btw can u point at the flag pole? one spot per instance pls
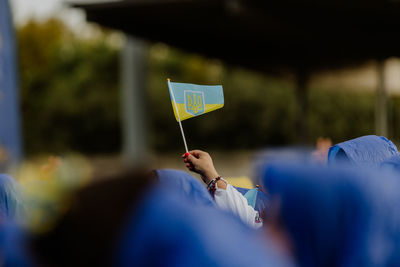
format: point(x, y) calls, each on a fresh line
point(177, 115)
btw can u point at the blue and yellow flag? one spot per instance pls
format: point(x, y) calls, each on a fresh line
point(193, 100)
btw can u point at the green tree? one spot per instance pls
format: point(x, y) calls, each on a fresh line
point(70, 99)
point(69, 89)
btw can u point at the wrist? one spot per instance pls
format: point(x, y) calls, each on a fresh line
point(210, 175)
point(216, 183)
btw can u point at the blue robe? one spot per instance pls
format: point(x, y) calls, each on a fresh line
point(392, 162)
point(14, 247)
point(169, 229)
point(193, 188)
point(370, 150)
point(186, 184)
point(11, 202)
point(338, 217)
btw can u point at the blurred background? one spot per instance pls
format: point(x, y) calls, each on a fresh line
point(100, 92)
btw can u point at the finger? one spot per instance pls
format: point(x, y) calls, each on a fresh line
point(185, 155)
point(185, 160)
point(192, 159)
point(200, 153)
point(197, 153)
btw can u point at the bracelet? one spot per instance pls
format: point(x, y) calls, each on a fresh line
point(212, 185)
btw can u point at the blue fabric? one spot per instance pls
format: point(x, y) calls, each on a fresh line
point(393, 162)
point(170, 230)
point(338, 217)
point(9, 110)
point(299, 155)
point(251, 196)
point(186, 184)
point(370, 150)
point(262, 199)
point(14, 249)
point(192, 188)
point(11, 203)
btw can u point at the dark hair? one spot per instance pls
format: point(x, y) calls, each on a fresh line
point(86, 234)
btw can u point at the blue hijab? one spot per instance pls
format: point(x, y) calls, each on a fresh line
point(370, 150)
point(338, 217)
point(170, 230)
point(186, 185)
point(392, 163)
point(13, 240)
point(11, 203)
point(14, 248)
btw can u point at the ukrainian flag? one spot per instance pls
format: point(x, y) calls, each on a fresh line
point(191, 100)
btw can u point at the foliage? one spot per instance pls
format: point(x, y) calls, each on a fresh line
point(70, 99)
point(69, 90)
point(340, 115)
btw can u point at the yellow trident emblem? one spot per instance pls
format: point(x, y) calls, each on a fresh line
point(194, 103)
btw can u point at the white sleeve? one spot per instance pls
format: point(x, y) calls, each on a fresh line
point(233, 201)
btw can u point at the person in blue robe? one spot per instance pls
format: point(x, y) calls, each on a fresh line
point(392, 163)
point(14, 245)
point(169, 229)
point(133, 219)
point(370, 151)
point(186, 184)
point(11, 199)
point(336, 217)
point(193, 188)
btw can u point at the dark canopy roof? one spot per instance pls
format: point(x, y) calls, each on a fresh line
point(261, 34)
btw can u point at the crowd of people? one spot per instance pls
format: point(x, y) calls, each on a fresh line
point(342, 211)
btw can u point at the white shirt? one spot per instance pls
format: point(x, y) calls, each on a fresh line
point(233, 201)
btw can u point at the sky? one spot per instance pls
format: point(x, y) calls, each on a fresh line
point(23, 10)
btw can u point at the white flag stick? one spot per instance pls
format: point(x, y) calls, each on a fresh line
point(177, 115)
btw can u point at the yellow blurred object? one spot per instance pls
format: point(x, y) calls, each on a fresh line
point(241, 181)
point(49, 170)
point(4, 154)
point(47, 183)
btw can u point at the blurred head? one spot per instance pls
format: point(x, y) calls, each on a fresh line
point(86, 234)
point(392, 163)
point(173, 229)
point(11, 201)
point(186, 185)
point(333, 217)
point(320, 154)
point(131, 220)
point(14, 245)
point(299, 155)
point(370, 151)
